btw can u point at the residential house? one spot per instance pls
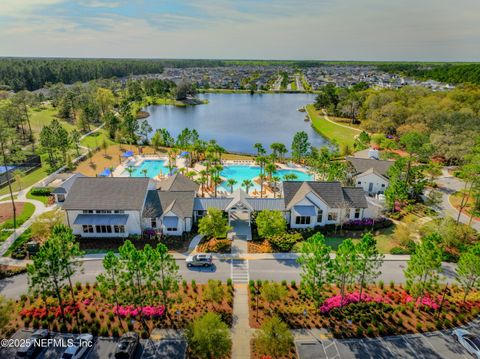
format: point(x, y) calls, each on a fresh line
point(370, 174)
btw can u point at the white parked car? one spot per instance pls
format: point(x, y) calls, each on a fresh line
point(199, 260)
point(81, 344)
point(469, 341)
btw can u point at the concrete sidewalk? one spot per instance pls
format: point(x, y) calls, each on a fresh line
point(241, 331)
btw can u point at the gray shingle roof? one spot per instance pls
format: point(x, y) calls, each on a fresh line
point(178, 182)
point(160, 202)
point(361, 165)
point(107, 193)
point(355, 196)
point(331, 193)
point(67, 184)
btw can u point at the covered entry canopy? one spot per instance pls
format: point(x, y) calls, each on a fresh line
point(170, 221)
point(306, 211)
point(101, 219)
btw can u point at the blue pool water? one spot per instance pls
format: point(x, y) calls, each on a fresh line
point(241, 173)
point(153, 167)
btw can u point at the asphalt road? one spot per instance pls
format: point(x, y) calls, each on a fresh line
point(448, 185)
point(265, 269)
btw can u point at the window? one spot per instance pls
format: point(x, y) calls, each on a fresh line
point(302, 220)
point(332, 216)
point(119, 229)
point(103, 211)
point(357, 213)
point(87, 211)
point(319, 216)
point(60, 198)
point(383, 184)
point(87, 228)
point(118, 211)
point(103, 229)
point(171, 229)
point(359, 182)
point(153, 222)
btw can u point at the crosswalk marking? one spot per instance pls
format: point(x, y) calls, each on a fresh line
point(239, 271)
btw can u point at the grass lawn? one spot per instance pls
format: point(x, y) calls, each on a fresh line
point(42, 117)
point(27, 212)
point(23, 238)
point(43, 199)
point(332, 131)
point(30, 179)
point(96, 139)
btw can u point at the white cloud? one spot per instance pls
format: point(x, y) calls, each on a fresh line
point(23, 7)
point(349, 30)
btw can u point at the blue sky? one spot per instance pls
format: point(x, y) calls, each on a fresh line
point(442, 30)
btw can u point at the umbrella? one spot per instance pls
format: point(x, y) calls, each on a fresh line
point(127, 154)
point(184, 154)
point(106, 172)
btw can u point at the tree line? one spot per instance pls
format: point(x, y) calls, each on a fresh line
point(34, 73)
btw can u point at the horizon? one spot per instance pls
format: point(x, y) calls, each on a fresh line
point(347, 31)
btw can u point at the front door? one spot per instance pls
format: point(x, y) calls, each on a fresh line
point(370, 187)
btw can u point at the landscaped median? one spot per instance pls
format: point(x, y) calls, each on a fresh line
point(341, 134)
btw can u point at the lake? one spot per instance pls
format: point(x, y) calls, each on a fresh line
point(238, 121)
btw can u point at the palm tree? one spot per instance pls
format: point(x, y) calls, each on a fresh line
point(270, 168)
point(202, 180)
point(262, 180)
point(247, 184)
point(261, 161)
point(216, 180)
point(231, 182)
point(260, 150)
point(190, 174)
point(144, 171)
point(275, 180)
point(111, 171)
point(130, 170)
point(290, 177)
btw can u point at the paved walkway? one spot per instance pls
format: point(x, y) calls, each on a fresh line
point(241, 233)
point(241, 331)
point(194, 243)
point(39, 209)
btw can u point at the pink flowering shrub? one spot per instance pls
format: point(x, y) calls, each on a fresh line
point(336, 300)
point(148, 311)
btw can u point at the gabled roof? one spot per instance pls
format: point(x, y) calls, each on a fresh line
point(372, 171)
point(107, 193)
point(364, 164)
point(160, 202)
point(177, 182)
point(332, 193)
point(203, 204)
point(65, 186)
point(239, 196)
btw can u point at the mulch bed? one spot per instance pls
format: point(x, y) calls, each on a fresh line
point(9, 271)
point(174, 244)
point(254, 355)
point(214, 245)
point(96, 316)
point(6, 210)
point(367, 319)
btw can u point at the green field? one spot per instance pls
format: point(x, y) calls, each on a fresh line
point(27, 212)
point(42, 117)
point(334, 132)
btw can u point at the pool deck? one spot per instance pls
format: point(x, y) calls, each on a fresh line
point(180, 162)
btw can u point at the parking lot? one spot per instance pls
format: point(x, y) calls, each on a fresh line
point(105, 348)
point(439, 344)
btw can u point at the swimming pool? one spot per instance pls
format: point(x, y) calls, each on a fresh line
point(153, 167)
point(242, 172)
